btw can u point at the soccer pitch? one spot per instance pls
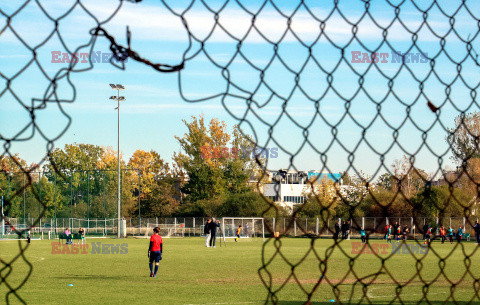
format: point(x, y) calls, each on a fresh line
point(192, 274)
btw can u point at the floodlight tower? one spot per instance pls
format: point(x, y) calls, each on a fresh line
point(3, 220)
point(118, 98)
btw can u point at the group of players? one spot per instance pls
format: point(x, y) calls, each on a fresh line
point(210, 231)
point(155, 249)
point(395, 231)
point(392, 232)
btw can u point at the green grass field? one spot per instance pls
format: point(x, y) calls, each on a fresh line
point(193, 274)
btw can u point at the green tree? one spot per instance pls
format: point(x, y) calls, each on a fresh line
point(85, 178)
point(15, 182)
point(386, 181)
point(248, 204)
point(204, 172)
point(463, 138)
point(213, 171)
point(75, 157)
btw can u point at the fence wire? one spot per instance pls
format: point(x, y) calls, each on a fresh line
point(316, 81)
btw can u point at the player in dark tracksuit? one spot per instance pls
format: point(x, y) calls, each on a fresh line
point(425, 229)
point(395, 230)
point(213, 231)
point(476, 227)
point(344, 230)
point(337, 230)
point(206, 231)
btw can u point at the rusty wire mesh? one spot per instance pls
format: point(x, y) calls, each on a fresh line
point(321, 54)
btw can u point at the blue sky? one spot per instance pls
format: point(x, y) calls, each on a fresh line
point(153, 110)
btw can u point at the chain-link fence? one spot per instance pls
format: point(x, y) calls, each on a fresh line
point(302, 226)
point(337, 79)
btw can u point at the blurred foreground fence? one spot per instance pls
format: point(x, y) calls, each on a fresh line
point(290, 66)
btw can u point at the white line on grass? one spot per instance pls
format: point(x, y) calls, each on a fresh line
point(34, 259)
point(369, 295)
point(226, 303)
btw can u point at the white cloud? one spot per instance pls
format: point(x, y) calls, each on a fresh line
point(157, 23)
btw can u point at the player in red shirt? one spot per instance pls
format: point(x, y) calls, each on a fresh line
point(155, 251)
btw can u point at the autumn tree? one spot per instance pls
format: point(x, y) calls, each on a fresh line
point(204, 171)
point(215, 165)
point(321, 200)
point(154, 183)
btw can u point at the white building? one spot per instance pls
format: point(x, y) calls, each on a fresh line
point(290, 187)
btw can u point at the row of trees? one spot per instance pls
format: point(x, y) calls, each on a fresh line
point(406, 190)
point(80, 180)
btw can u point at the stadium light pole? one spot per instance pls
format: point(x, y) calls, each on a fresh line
point(3, 220)
point(118, 98)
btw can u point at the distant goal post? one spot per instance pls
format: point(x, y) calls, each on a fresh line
point(252, 227)
point(166, 230)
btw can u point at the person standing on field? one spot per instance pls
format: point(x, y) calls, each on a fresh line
point(390, 234)
point(337, 230)
point(81, 232)
point(363, 235)
point(428, 236)
point(450, 235)
point(347, 232)
point(155, 251)
point(213, 231)
point(425, 229)
point(68, 235)
point(459, 234)
point(386, 231)
point(405, 232)
point(395, 230)
point(476, 227)
point(239, 230)
point(442, 234)
point(208, 235)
